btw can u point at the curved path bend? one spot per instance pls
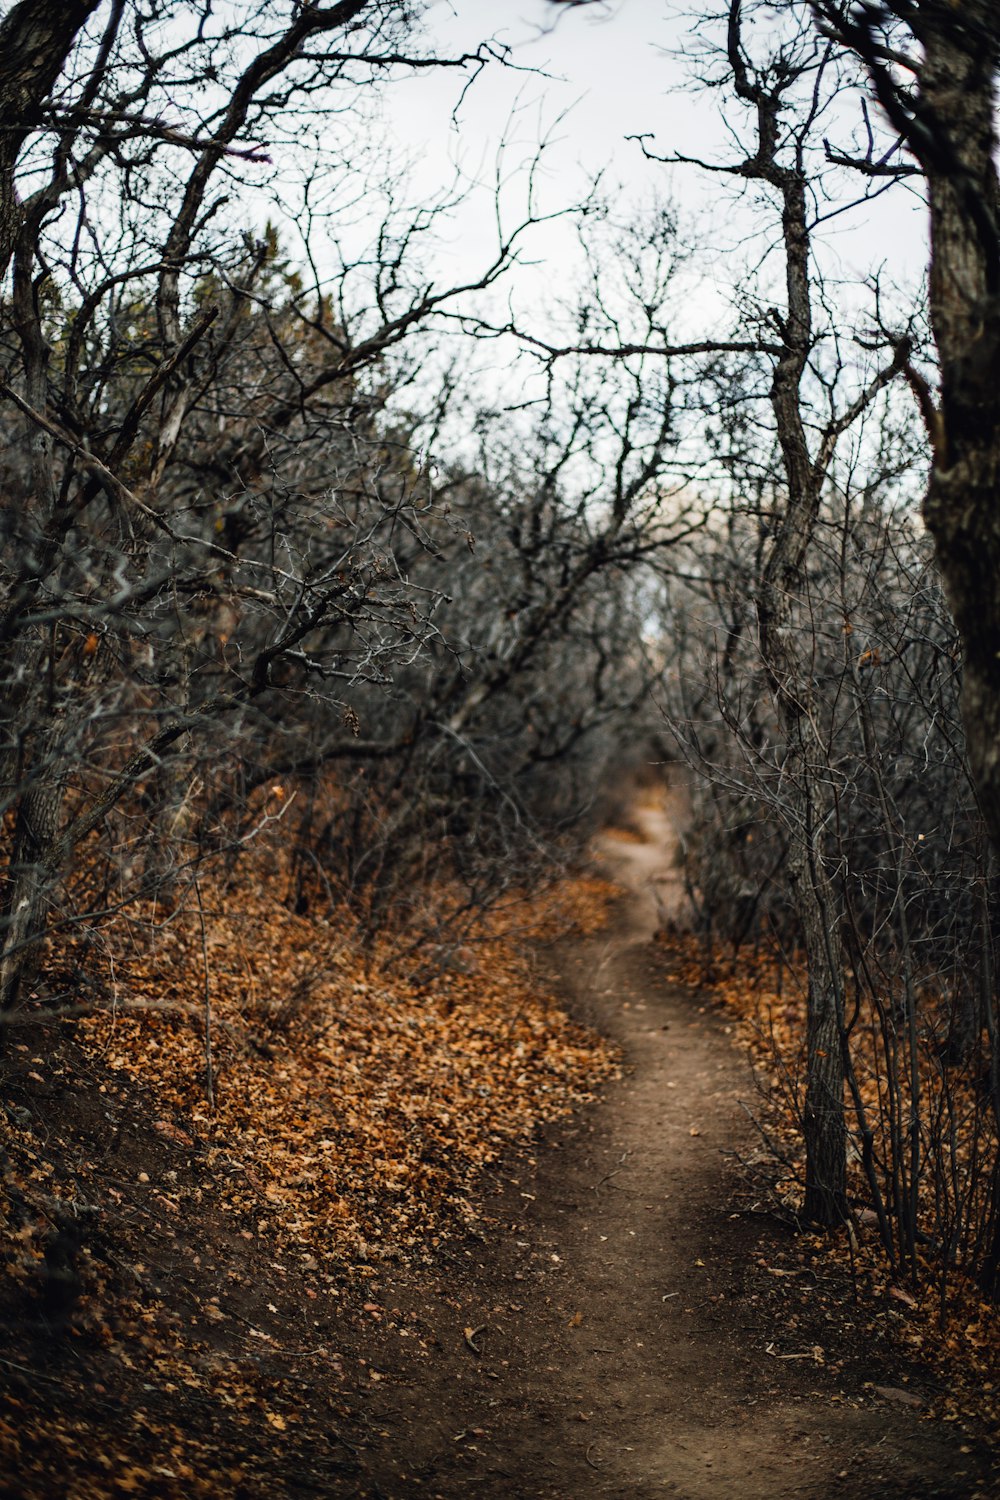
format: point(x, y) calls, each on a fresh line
point(607, 1341)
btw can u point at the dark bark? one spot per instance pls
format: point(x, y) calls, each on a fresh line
point(948, 120)
point(945, 112)
point(961, 506)
point(785, 650)
point(35, 40)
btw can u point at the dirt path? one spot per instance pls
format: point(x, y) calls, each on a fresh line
point(621, 1314)
point(625, 1325)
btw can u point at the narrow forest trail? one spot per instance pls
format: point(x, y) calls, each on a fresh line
point(619, 1320)
point(616, 1321)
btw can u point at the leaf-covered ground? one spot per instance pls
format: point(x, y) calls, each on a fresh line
point(945, 1323)
point(386, 1245)
point(352, 1109)
point(255, 1105)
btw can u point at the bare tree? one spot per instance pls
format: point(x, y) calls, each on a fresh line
point(815, 396)
point(199, 508)
point(838, 804)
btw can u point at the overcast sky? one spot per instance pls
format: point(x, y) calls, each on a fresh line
point(603, 73)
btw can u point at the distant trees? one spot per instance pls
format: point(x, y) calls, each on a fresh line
point(507, 723)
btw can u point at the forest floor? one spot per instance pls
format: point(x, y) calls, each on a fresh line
point(623, 1319)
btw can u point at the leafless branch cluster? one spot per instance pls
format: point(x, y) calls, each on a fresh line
point(245, 536)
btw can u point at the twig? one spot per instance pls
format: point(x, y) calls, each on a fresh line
point(209, 1071)
point(769, 1142)
point(471, 1334)
point(26, 1370)
point(608, 1175)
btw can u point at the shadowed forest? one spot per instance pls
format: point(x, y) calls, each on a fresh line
point(499, 759)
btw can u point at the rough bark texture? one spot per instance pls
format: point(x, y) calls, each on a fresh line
point(35, 40)
point(947, 118)
point(961, 506)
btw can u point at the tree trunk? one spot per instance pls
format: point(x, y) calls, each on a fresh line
point(825, 1129)
point(31, 881)
point(808, 816)
point(785, 637)
point(948, 120)
point(35, 40)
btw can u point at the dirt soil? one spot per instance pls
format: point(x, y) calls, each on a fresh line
point(632, 1324)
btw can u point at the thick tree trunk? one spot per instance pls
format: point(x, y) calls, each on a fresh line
point(35, 40)
point(825, 1129)
point(957, 145)
point(962, 510)
point(950, 126)
point(785, 635)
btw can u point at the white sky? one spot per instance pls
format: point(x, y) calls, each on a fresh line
point(607, 66)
